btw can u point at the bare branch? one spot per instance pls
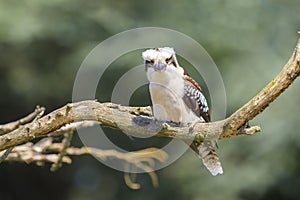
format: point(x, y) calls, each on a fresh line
point(73, 127)
point(138, 120)
point(66, 143)
point(267, 95)
point(31, 153)
point(38, 112)
point(39, 153)
point(5, 154)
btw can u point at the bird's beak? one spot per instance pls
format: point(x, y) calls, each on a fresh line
point(159, 66)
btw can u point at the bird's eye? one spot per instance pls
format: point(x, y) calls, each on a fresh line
point(149, 61)
point(169, 60)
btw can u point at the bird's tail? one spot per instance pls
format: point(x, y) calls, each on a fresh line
point(206, 151)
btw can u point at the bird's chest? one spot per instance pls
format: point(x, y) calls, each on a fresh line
point(167, 103)
point(167, 92)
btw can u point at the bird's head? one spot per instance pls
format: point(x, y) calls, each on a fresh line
point(160, 58)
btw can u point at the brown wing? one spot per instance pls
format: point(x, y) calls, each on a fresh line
point(194, 98)
point(192, 93)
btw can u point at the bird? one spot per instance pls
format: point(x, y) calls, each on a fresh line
point(176, 97)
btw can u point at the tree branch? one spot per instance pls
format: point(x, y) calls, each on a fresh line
point(267, 95)
point(39, 153)
point(39, 111)
point(45, 151)
point(138, 119)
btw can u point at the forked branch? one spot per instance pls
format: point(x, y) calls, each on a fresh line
point(138, 120)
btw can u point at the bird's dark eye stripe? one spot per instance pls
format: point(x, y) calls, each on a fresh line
point(169, 59)
point(149, 61)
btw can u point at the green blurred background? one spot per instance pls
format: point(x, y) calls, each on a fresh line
point(42, 44)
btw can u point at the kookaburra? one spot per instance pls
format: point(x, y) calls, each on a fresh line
point(176, 97)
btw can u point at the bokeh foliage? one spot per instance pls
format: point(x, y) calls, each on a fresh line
point(42, 44)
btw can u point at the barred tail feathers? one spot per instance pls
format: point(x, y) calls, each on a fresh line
point(207, 153)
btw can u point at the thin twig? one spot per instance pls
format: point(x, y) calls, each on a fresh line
point(5, 154)
point(38, 112)
point(66, 143)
